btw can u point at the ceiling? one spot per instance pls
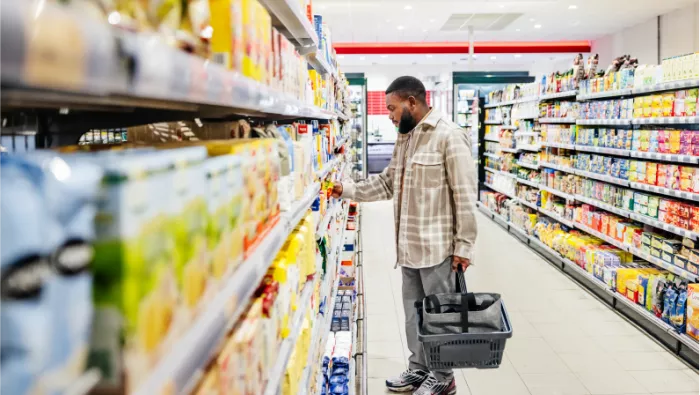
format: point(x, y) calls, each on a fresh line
point(495, 20)
point(455, 59)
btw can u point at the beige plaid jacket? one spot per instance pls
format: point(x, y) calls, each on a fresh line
point(434, 216)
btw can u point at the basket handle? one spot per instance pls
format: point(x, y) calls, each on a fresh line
point(460, 282)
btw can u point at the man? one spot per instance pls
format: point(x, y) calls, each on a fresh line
point(432, 180)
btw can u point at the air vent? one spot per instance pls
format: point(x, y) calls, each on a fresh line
point(491, 22)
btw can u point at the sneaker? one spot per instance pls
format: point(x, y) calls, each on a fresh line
point(408, 381)
point(433, 387)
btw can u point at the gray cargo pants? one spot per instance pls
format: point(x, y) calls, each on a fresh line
point(417, 283)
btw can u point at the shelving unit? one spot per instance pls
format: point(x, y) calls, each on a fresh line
point(681, 341)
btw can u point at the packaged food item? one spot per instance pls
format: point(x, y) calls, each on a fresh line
point(693, 311)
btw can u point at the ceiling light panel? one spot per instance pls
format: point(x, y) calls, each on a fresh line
point(489, 22)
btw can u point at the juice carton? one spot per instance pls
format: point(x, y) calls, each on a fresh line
point(135, 290)
point(693, 311)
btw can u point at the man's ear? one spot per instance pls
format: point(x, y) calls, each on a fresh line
point(412, 102)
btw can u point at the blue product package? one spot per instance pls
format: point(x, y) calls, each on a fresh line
point(70, 191)
point(27, 243)
point(340, 363)
point(340, 389)
point(338, 379)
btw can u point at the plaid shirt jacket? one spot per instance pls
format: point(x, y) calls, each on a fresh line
point(432, 180)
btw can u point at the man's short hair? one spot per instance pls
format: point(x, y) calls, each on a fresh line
point(408, 86)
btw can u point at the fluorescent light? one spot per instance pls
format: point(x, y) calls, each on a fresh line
point(425, 30)
point(362, 58)
point(432, 20)
point(493, 58)
point(538, 26)
point(517, 30)
point(408, 7)
point(387, 21)
point(532, 19)
point(573, 7)
point(400, 27)
point(428, 56)
point(475, 56)
point(341, 56)
point(501, 6)
point(384, 56)
point(517, 55)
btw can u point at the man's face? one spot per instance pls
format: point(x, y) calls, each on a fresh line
point(400, 112)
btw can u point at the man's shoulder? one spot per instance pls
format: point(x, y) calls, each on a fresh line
point(445, 127)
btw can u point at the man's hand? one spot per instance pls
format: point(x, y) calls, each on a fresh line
point(459, 261)
point(337, 191)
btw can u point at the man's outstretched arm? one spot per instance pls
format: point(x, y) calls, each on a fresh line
point(377, 187)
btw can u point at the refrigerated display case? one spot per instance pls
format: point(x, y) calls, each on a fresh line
point(358, 124)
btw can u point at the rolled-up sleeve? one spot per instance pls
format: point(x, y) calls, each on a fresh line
point(374, 188)
point(462, 179)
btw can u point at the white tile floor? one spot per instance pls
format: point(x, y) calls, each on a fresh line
point(565, 341)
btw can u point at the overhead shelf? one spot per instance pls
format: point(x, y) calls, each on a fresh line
point(129, 71)
point(527, 182)
point(200, 343)
point(558, 145)
point(665, 191)
point(511, 150)
point(565, 169)
point(604, 122)
point(666, 121)
point(602, 177)
point(666, 86)
point(493, 156)
point(604, 95)
point(557, 120)
point(604, 206)
point(290, 19)
point(557, 192)
point(665, 157)
point(559, 95)
point(487, 122)
point(319, 64)
point(529, 147)
point(528, 165)
point(602, 150)
point(662, 225)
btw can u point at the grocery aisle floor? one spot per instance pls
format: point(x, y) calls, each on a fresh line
point(565, 341)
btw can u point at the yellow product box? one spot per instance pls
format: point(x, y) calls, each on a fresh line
point(250, 39)
point(693, 312)
point(226, 39)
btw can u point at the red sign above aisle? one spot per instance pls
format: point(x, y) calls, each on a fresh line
point(463, 47)
point(376, 102)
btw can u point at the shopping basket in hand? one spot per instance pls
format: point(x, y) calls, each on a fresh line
point(463, 330)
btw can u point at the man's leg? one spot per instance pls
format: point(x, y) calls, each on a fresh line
point(439, 279)
point(412, 291)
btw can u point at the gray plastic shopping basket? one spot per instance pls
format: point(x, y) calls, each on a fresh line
point(464, 350)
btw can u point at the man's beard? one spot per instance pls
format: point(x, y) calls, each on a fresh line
point(406, 123)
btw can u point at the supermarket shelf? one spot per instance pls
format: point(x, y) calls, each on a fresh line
point(511, 150)
point(509, 127)
point(558, 145)
point(557, 120)
point(601, 236)
point(327, 167)
point(604, 206)
point(527, 204)
point(665, 191)
point(602, 150)
point(565, 169)
point(559, 95)
point(517, 230)
point(594, 282)
point(664, 265)
point(490, 155)
point(661, 225)
point(506, 174)
point(557, 192)
point(559, 218)
point(604, 95)
point(492, 170)
point(85, 383)
point(493, 139)
point(525, 134)
point(276, 374)
point(527, 182)
point(666, 86)
point(603, 177)
point(289, 18)
point(666, 121)
point(665, 157)
point(163, 79)
point(496, 217)
point(327, 218)
point(179, 368)
point(499, 191)
point(531, 148)
point(493, 122)
point(319, 63)
point(511, 102)
point(613, 122)
point(528, 165)
point(341, 116)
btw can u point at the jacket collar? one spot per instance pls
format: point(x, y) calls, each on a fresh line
point(431, 118)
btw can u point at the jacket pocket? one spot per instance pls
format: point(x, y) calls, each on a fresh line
point(428, 170)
